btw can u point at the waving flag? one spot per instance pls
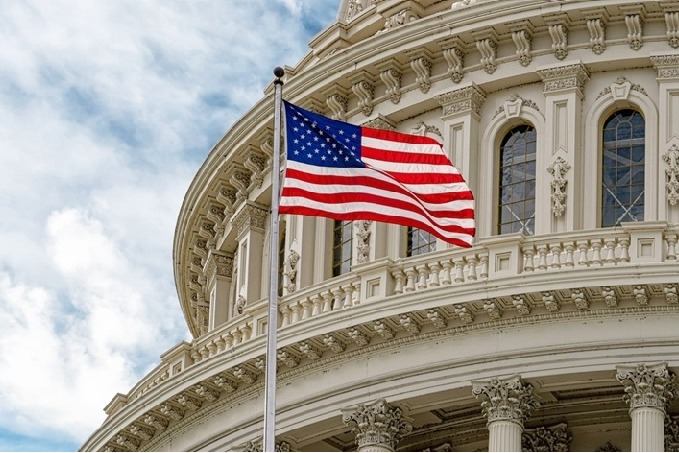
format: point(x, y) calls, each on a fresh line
point(347, 172)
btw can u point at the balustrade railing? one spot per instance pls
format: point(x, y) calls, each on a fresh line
point(499, 257)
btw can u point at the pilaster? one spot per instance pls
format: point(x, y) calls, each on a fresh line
point(378, 427)
point(506, 404)
point(561, 159)
point(648, 391)
point(249, 223)
point(667, 66)
point(460, 128)
point(218, 270)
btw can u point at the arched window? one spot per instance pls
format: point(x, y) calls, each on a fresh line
point(341, 247)
point(516, 198)
point(419, 242)
point(622, 168)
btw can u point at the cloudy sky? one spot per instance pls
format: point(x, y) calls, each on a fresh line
point(107, 109)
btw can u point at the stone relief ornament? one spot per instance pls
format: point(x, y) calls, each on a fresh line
point(647, 385)
point(291, 272)
point(597, 33)
point(554, 438)
point(422, 129)
point(455, 59)
point(634, 31)
point(671, 434)
point(558, 170)
point(506, 399)
point(672, 22)
point(377, 426)
point(610, 447)
point(671, 158)
point(363, 234)
point(240, 304)
point(487, 49)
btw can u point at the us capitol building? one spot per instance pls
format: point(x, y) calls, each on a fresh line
point(557, 331)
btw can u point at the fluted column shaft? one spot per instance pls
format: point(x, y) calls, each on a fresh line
point(504, 435)
point(648, 390)
point(648, 429)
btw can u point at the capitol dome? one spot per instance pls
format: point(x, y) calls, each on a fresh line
point(558, 330)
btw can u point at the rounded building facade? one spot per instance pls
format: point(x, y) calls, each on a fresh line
point(558, 330)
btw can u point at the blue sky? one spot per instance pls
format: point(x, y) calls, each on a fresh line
point(107, 110)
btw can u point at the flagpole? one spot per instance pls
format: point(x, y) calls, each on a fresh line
point(269, 442)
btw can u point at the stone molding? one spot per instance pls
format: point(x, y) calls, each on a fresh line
point(250, 217)
point(565, 78)
point(465, 100)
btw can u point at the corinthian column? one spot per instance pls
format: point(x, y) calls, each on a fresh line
point(648, 390)
point(378, 427)
point(506, 403)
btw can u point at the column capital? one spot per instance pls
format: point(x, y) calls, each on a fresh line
point(647, 385)
point(218, 264)
point(466, 100)
point(378, 427)
point(666, 65)
point(505, 399)
point(564, 78)
point(250, 217)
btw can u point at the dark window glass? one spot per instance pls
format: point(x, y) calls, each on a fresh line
point(419, 242)
point(622, 176)
point(341, 247)
point(516, 201)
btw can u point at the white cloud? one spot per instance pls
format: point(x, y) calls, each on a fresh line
point(107, 109)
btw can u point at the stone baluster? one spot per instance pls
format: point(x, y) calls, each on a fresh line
point(648, 391)
point(506, 403)
point(378, 427)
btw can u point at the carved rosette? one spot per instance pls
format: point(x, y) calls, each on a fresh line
point(558, 170)
point(671, 158)
point(553, 438)
point(363, 235)
point(378, 427)
point(507, 399)
point(647, 385)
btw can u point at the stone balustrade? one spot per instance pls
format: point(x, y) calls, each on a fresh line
point(494, 259)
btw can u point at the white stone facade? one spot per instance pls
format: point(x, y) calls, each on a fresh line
point(563, 337)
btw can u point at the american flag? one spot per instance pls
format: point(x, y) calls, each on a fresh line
point(347, 172)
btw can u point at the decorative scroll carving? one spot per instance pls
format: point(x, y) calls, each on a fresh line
point(256, 163)
point(422, 129)
point(671, 434)
point(609, 447)
point(421, 66)
point(390, 74)
point(435, 317)
point(337, 102)
point(559, 35)
point(355, 7)
point(455, 59)
point(463, 313)
point(554, 438)
point(494, 312)
point(507, 399)
point(671, 294)
point(287, 359)
point(128, 442)
point(558, 170)
point(640, 295)
point(358, 337)
point(240, 179)
point(597, 35)
point(462, 4)
point(610, 297)
point(634, 31)
point(409, 324)
point(383, 330)
point(647, 385)
point(671, 158)
point(333, 344)
point(378, 427)
point(521, 306)
point(672, 23)
point(579, 299)
point(486, 48)
point(364, 88)
point(309, 350)
point(550, 303)
point(522, 40)
point(380, 122)
point(403, 17)
point(463, 100)
point(227, 197)
point(363, 234)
